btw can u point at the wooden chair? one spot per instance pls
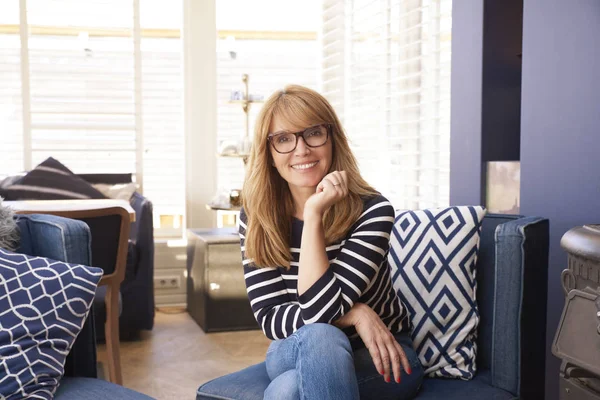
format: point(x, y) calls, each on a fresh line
point(114, 274)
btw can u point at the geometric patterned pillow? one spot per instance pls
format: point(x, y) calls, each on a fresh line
point(43, 306)
point(433, 255)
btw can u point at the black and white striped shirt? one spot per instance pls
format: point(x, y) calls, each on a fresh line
point(358, 272)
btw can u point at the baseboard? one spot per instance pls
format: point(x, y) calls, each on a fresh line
point(170, 263)
point(170, 300)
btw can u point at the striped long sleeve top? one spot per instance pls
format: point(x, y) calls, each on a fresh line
point(358, 272)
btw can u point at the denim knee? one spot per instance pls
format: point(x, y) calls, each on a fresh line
point(325, 336)
point(283, 387)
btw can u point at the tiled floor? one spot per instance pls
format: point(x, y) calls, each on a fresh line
point(177, 356)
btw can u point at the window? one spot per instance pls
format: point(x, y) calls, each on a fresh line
point(270, 65)
point(274, 50)
point(100, 89)
point(11, 105)
point(386, 69)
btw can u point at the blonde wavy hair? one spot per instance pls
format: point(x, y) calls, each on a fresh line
point(266, 196)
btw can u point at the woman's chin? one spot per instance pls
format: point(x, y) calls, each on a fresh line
point(305, 183)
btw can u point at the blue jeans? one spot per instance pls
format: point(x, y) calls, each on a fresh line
point(319, 362)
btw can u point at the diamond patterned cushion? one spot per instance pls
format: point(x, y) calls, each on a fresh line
point(432, 256)
point(43, 306)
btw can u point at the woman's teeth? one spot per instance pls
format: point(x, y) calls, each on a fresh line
point(304, 166)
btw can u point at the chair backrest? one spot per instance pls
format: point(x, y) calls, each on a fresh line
point(54, 237)
point(111, 179)
point(65, 240)
point(109, 229)
point(512, 276)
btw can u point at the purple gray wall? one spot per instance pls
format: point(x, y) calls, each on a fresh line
point(558, 142)
point(560, 132)
point(466, 104)
point(486, 86)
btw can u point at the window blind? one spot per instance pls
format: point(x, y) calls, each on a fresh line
point(162, 112)
point(105, 94)
point(11, 103)
point(386, 64)
point(82, 84)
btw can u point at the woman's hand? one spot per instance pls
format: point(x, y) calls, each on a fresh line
point(333, 188)
point(378, 339)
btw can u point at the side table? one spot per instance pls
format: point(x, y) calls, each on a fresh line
point(216, 292)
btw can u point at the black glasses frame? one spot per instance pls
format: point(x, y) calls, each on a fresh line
point(328, 128)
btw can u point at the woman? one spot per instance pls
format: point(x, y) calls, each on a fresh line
point(315, 238)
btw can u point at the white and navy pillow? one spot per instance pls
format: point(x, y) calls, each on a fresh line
point(43, 306)
point(6, 182)
point(433, 255)
point(51, 180)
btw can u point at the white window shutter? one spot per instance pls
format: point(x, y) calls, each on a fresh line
point(366, 106)
point(334, 49)
point(11, 102)
point(82, 84)
point(396, 87)
point(92, 98)
point(162, 83)
point(162, 113)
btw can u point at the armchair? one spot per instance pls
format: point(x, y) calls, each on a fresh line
point(137, 288)
point(69, 240)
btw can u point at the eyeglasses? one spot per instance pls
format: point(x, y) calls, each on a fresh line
point(314, 136)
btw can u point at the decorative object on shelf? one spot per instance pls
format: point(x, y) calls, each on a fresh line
point(228, 148)
point(231, 200)
point(256, 98)
point(235, 198)
point(503, 187)
point(236, 95)
point(242, 148)
point(226, 200)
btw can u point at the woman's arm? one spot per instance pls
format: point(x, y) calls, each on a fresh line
point(313, 261)
point(270, 301)
point(382, 346)
point(327, 291)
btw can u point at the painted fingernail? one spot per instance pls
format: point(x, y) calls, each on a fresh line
point(380, 372)
point(387, 379)
point(398, 380)
point(409, 371)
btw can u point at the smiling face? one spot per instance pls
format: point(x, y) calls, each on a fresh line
point(304, 167)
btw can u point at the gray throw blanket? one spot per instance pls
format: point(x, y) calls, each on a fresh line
point(9, 234)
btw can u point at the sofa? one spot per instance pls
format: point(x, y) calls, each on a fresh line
point(512, 272)
point(69, 240)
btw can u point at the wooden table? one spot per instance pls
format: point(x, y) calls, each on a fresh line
point(48, 206)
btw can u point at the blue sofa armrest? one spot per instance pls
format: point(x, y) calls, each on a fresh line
point(512, 285)
point(142, 233)
point(67, 240)
point(138, 287)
